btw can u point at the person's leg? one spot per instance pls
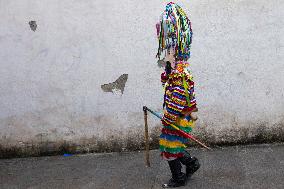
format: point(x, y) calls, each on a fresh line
point(192, 164)
point(178, 177)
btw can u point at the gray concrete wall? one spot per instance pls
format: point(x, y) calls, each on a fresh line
point(56, 90)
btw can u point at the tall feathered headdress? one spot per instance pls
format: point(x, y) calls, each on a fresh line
point(174, 31)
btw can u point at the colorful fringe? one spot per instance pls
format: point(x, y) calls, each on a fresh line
point(174, 31)
point(172, 143)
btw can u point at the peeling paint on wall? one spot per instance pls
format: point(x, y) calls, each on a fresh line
point(33, 25)
point(116, 86)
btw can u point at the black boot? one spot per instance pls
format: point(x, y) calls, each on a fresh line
point(178, 178)
point(192, 164)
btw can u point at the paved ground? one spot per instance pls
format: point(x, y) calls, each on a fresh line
point(255, 167)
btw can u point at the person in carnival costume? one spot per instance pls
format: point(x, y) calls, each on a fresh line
point(175, 37)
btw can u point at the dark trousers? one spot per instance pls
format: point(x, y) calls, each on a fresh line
point(191, 164)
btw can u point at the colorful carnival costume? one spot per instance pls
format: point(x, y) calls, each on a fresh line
point(175, 37)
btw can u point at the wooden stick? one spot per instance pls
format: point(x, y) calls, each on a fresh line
point(147, 154)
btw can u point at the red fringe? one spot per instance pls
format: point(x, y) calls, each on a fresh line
point(169, 155)
point(171, 132)
point(189, 109)
point(164, 77)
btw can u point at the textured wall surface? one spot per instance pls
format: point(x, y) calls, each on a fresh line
point(74, 75)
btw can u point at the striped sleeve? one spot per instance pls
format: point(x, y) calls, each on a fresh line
point(175, 104)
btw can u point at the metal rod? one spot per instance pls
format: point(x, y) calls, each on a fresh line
point(147, 145)
point(182, 132)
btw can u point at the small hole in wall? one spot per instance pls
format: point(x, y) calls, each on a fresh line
point(33, 25)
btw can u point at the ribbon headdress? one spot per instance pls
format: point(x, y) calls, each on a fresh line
point(174, 31)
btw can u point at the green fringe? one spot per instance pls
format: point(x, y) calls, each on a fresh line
point(185, 129)
point(172, 150)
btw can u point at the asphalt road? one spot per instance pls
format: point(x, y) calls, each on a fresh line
point(237, 167)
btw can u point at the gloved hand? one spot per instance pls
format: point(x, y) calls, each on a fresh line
point(168, 68)
point(190, 112)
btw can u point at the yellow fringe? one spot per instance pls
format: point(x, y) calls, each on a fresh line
point(171, 144)
point(185, 123)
